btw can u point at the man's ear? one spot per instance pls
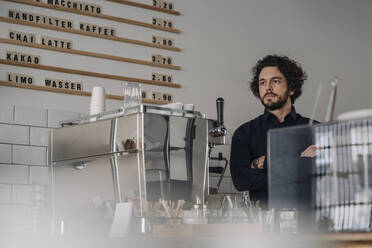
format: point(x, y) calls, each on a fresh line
point(291, 92)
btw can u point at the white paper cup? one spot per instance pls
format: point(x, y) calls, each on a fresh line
point(98, 96)
point(97, 100)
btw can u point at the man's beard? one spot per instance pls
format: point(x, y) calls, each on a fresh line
point(271, 105)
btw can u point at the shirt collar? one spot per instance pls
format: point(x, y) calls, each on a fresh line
point(292, 114)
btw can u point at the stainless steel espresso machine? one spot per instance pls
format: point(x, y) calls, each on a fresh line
point(145, 154)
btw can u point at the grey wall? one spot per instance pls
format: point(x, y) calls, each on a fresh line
point(329, 38)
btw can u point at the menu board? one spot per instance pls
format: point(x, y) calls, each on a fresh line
point(45, 39)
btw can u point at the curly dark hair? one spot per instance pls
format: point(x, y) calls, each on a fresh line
point(291, 69)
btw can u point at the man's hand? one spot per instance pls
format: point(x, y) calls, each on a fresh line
point(310, 152)
point(260, 163)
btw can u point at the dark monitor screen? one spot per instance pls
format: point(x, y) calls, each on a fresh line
point(290, 183)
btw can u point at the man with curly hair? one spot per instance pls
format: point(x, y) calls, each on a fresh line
point(277, 82)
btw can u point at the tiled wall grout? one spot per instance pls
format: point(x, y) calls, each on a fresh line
point(11, 154)
point(23, 125)
point(13, 114)
point(20, 184)
point(46, 157)
point(16, 204)
point(29, 174)
point(19, 144)
point(47, 116)
point(11, 192)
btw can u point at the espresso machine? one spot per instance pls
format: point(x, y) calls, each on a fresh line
point(141, 155)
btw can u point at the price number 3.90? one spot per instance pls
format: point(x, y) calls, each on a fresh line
point(162, 41)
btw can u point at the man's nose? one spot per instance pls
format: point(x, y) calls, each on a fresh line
point(269, 86)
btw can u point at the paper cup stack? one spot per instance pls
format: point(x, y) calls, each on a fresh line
point(97, 100)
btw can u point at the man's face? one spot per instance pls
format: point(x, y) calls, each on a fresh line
point(273, 88)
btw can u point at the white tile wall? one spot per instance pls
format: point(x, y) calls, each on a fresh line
point(7, 113)
point(55, 116)
point(14, 134)
point(5, 193)
point(17, 174)
point(31, 155)
point(39, 175)
point(30, 116)
point(5, 153)
point(23, 157)
point(22, 194)
point(39, 136)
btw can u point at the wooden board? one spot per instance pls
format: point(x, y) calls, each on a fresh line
point(90, 54)
point(102, 16)
point(91, 74)
point(79, 32)
point(70, 92)
point(146, 6)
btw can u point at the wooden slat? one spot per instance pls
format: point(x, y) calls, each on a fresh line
point(344, 237)
point(90, 54)
point(79, 32)
point(146, 6)
point(70, 92)
point(102, 16)
point(90, 74)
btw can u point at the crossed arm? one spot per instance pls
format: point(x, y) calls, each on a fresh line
point(309, 152)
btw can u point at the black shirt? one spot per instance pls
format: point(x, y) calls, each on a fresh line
point(249, 142)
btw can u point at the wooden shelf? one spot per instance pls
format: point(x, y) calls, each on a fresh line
point(102, 16)
point(79, 32)
point(89, 54)
point(146, 6)
point(71, 92)
point(90, 74)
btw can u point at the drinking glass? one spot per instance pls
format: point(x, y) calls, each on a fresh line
point(267, 220)
point(132, 95)
point(288, 220)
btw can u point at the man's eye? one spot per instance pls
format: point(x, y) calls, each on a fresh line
point(261, 83)
point(276, 81)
